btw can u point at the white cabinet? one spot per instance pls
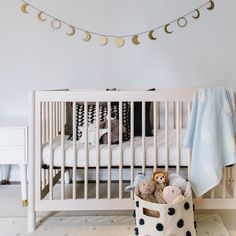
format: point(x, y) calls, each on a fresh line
point(14, 148)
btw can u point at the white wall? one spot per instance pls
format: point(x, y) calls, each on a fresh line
point(34, 56)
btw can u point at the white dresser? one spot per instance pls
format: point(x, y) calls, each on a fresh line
point(14, 148)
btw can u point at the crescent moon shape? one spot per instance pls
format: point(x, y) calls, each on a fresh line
point(56, 24)
point(23, 8)
point(103, 40)
point(40, 16)
point(212, 5)
point(119, 41)
point(150, 35)
point(87, 37)
point(71, 30)
point(198, 14)
point(166, 29)
point(135, 40)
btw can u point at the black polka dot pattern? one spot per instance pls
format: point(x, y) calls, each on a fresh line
point(188, 233)
point(160, 227)
point(141, 222)
point(171, 211)
point(136, 231)
point(180, 223)
point(137, 203)
point(134, 214)
point(186, 206)
point(195, 224)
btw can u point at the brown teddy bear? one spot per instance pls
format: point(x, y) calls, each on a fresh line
point(149, 191)
point(145, 190)
point(160, 178)
point(114, 130)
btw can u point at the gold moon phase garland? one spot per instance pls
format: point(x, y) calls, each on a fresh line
point(198, 14)
point(119, 40)
point(40, 16)
point(150, 35)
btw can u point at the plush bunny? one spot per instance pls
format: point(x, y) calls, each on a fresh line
point(137, 179)
point(172, 194)
point(145, 190)
point(114, 130)
point(160, 178)
point(180, 182)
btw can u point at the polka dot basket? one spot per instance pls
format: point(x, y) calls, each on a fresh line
point(154, 219)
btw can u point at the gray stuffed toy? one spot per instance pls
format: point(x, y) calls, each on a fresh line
point(114, 130)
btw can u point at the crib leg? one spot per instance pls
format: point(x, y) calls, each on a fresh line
point(31, 221)
point(24, 185)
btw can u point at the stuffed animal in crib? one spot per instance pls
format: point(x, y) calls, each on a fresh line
point(180, 182)
point(172, 194)
point(160, 178)
point(145, 190)
point(114, 130)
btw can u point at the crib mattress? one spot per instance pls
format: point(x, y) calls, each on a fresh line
point(115, 154)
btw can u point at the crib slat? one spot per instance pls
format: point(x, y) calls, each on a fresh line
point(62, 151)
point(189, 109)
point(43, 178)
point(109, 150)
point(43, 123)
point(166, 136)
point(56, 119)
point(51, 152)
point(232, 177)
point(143, 136)
point(86, 150)
point(154, 136)
point(132, 145)
point(189, 151)
point(234, 180)
point(224, 183)
point(174, 114)
point(181, 114)
point(158, 115)
point(47, 121)
point(98, 150)
point(177, 137)
point(120, 150)
point(74, 149)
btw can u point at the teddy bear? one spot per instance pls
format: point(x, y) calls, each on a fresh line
point(180, 182)
point(172, 194)
point(114, 130)
point(160, 178)
point(145, 190)
point(149, 191)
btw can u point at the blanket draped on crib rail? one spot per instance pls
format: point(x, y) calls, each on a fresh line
point(211, 137)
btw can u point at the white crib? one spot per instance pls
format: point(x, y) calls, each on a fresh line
point(99, 173)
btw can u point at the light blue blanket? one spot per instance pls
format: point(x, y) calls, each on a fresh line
point(211, 137)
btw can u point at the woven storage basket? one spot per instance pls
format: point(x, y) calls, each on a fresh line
point(153, 219)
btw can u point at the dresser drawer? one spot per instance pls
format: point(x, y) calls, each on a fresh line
point(12, 137)
point(12, 155)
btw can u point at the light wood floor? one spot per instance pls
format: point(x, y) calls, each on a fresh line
point(13, 219)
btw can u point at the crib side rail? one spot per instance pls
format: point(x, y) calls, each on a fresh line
point(171, 109)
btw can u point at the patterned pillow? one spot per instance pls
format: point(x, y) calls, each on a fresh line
point(91, 116)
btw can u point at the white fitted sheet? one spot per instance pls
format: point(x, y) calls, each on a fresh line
point(115, 154)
